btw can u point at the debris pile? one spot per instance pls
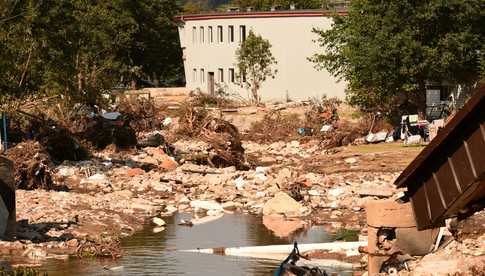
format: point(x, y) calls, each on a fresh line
point(140, 113)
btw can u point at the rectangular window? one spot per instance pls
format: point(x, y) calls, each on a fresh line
point(221, 74)
point(220, 38)
point(243, 77)
point(194, 35)
point(242, 33)
point(231, 75)
point(231, 34)
point(194, 75)
point(210, 37)
point(201, 35)
point(202, 75)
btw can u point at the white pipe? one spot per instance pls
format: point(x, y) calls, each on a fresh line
point(280, 249)
point(280, 252)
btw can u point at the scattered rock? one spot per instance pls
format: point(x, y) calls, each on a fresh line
point(282, 203)
point(206, 205)
point(134, 172)
point(351, 160)
point(158, 221)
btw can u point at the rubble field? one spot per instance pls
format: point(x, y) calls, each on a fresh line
point(114, 193)
point(85, 207)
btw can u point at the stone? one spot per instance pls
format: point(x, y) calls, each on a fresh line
point(282, 203)
point(239, 183)
point(335, 192)
point(149, 160)
point(158, 221)
point(231, 205)
point(72, 243)
point(168, 164)
point(158, 229)
point(314, 193)
point(206, 205)
point(326, 128)
point(161, 187)
point(134, 172)
point(351, 160)
point(282, 227)
point(65, 171)
point(171, 209)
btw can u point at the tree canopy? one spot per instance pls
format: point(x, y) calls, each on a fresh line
point(80, 47)
point(255, 61)
point(388, 50)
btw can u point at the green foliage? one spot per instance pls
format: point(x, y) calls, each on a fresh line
point(387, 50)
point(193, 7)
point(347, 235)
point(79, 48)
point(254, 61)
point(260, 5)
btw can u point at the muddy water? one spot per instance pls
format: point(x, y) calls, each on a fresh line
point(147, 253)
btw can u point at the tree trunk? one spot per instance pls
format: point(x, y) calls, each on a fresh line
point(79, 74)
point(254, 92)
point(420, 99)
point(133, 83)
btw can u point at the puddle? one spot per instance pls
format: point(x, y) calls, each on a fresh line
point(147, 253)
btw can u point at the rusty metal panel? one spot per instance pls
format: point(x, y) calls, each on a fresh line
point(448, 175)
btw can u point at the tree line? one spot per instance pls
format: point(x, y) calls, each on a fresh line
point(78, 48)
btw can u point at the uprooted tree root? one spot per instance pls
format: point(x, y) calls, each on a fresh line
point(140, 112)
point(225, 141)
point(192, 118)
point(222, 136)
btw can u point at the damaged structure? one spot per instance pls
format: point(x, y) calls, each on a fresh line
point(447, 179)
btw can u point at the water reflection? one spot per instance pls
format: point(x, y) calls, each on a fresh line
point(147, 253)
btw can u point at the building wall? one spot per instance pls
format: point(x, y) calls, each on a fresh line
point(292, 43)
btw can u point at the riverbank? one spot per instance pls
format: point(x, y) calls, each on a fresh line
point(112, 195)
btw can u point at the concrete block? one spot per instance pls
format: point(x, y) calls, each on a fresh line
point(389, 213)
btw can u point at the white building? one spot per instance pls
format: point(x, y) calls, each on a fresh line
point(209, 43)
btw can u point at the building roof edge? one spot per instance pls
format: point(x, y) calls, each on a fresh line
point(260, 14)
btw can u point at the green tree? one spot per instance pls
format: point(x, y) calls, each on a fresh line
point(254, 61)
point(387, 50)
point(79, 48)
